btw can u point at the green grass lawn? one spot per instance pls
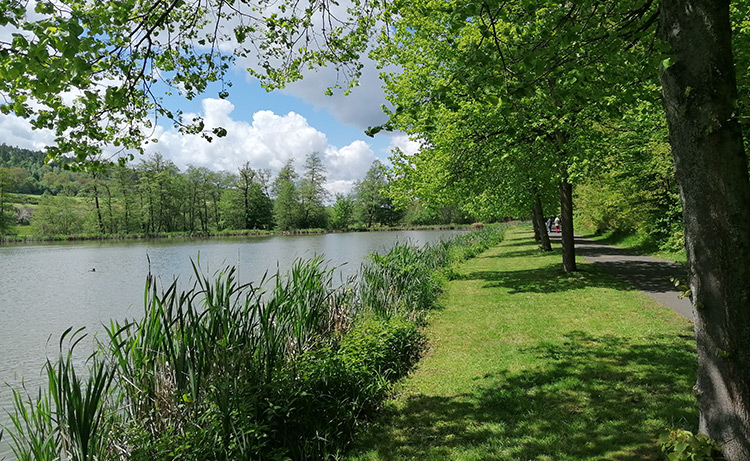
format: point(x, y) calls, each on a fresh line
point(23, 231)
point(526, 362)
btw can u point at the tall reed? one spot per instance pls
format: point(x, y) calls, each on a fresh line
point(80, 404)
point(32, 432)
point(408, 278)
point(69, 419)
point(401, 280)
point(182, 358)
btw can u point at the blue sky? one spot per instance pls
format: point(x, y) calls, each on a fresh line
point(306, 98)
point(266, 129)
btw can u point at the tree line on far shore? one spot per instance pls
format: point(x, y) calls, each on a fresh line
point(154, 196)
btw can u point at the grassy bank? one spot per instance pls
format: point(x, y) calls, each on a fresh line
point(526, 362)
point(286, 369)
point(24, 233)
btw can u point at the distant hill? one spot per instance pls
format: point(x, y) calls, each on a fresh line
point(16, 157)
point(29, 168)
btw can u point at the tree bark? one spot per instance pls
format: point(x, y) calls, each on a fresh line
point(112, 224)
point(99, 219)
point(566, 193)
point(535, 225)
point(538, 215)
point(566, 223)
point(700, 97)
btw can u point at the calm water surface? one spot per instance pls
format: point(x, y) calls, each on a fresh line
point(47, 288)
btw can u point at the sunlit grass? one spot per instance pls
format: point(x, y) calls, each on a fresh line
point(23, 231)
point(526, 362)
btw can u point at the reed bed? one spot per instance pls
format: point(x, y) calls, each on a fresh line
point(286, 368)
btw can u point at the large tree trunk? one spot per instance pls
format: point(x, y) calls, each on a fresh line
point(566, 223)
point(700, 96)
point(565, 190)
point(538, 216)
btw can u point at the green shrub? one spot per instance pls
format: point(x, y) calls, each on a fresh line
point(326, 394)
point(388, 347)
point(682, 445)
point(674, 242)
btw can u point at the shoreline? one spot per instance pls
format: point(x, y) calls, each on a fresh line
point(12, 240)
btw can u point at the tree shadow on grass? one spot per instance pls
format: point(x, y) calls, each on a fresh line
point(642, 273)
point(589, 398)
point(618, 238)
point(531, 252)
point(547, 279)
point(520, 241)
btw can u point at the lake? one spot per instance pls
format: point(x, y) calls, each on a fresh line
point(47, 288)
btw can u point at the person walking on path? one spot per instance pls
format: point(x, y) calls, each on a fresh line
point(557, 224)
point(549, 225)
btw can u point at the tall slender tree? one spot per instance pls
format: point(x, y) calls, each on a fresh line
point(256, 205)
point(159, 184)
point(375, 206)
point(312, 193)
point(126, 187)
point(286, 205)
point(342, 214)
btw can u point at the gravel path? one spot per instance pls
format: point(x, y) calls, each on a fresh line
point(650, 275)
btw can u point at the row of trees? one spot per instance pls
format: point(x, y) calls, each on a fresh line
point(154, 196)
point(514, 98)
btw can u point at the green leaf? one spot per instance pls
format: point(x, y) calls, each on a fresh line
point(373, 130)
point(666, 63)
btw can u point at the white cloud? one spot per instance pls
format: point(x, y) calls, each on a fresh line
point(16, 131)
point(339, 187)
point(361, 108)
point(408, 146)
point(266, 142)
point(349, 162)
